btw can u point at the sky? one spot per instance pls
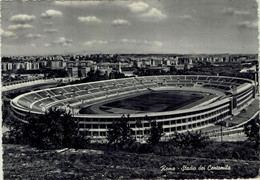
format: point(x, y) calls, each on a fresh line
point(165, 26)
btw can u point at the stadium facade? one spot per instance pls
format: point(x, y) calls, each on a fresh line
point(233, 95)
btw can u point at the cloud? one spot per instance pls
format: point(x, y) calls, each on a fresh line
point(34, 36)
point(51, 30)
point(120, 22)
point(22, 18)
point(95, 42)
point(51, 13)
point(242, 13)
point(248, 25)
point(232, 12)
point(19, 27)
point(129, 41)
point(154, 14)
point(229, 11)
point(33, 45)
point(48, 23)
point(157, 43)
point(62, 41)
point(77, 3)
point(138, 7)
point(153, 43)
point(47, 44)
point(90, 19)
point(7, 34)
point(186, 18)
point(140, 42)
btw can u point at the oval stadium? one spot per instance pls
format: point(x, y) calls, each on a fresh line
point(179, 102)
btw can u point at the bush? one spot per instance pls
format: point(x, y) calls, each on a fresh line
point(120, 134)
point(53, 130)
point(195, 140)
point(139, 148)
point(156, 133)
point(251, 130)
point(16, 133)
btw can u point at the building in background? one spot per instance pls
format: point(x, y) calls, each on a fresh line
point(73, 72)
point(84, 71)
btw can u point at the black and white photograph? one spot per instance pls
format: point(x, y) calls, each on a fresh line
point(130, 89)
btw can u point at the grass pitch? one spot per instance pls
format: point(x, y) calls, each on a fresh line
point(157, 101)
point(154, 101)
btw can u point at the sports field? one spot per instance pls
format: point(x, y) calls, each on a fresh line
point(155, 101)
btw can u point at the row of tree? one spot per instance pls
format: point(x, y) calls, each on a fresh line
point(58, 129)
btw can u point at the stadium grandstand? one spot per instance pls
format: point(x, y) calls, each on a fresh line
point(231, 96)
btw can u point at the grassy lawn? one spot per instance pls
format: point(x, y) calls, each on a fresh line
point(157, 101)
point(24, 162)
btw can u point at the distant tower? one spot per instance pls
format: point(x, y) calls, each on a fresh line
point(119, 67)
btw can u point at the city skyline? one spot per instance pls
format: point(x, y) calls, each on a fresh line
point(188, 27)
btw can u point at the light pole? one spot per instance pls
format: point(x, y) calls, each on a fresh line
point(221, 127)
point(221, 131)
point(139, 125)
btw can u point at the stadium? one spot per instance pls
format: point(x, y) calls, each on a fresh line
point(178, 102)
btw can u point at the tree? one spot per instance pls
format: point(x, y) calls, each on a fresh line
point(53, 130)
point(6, 112)
point(195, 140)
point(156, 133)
point(251, 130)
point(16, 134)
point(120, 134)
